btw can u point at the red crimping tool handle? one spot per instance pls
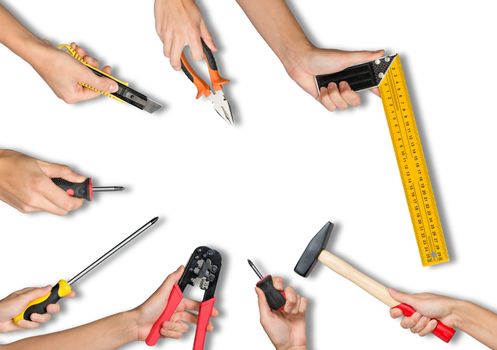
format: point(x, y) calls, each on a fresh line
point(442, 331)
point(204, 315)
point(172, 303)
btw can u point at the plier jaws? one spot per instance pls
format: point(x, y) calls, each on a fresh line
point(202, 270)
point(216, 95)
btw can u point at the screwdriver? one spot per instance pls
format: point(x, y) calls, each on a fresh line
point(63, 288)
point(84, 189)
point(275, 298)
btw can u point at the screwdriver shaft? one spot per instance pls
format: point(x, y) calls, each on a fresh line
point(108, 188)
point(113, 250)
point(256, 270)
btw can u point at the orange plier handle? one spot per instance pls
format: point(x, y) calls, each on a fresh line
point(203, 88)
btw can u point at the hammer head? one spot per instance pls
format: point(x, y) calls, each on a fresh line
point(314, 248)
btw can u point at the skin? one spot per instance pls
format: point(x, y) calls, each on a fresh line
point(472, 319)
point(287, 328)
point(59, 70)
point(25, 184)
point(15, 303)
point(117, 330)
point(179, 23)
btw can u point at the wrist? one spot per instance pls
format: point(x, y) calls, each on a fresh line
point(130, 322)
point(459, 310)
point(296, 53)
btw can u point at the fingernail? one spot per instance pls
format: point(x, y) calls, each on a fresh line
point(113, 88)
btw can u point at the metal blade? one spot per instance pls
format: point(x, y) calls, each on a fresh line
point(221, 105)
point(108, 188)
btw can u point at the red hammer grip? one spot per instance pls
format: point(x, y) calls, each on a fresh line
point(441, 331)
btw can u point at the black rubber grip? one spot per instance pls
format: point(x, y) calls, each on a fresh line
point(41, 308)
point(79, 190)
point(211, 61)
point(274, 297)
point(359, 77)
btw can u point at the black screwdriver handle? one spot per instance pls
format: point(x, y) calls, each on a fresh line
point(275, 298)
point(79, 190)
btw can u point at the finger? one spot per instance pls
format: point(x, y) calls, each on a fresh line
point(103, 84)
point(291, 299)
point(107, 69)
point(190, 305)
point(40, 318)
point(351, 97)
point(59, 170)
point(180, 327)
point(410, 322)
point(27, 324)
point(40, 203)
point(168, 43)
point(176, 50)
point(171, 334)
point(22, 291)
point(303, 306)
point(430, 327)
point(57, 196)
point(91, 61)
point(354, 57)
point(376, 91)
point(278, 283)
point(35, 293)
point(79, 50)
point(264, 309)
point(196, 48)
point(184, 316)
point(53, 308)
point(420, 325)
point(396, 313)
point(169, 282)
point(207, 37)
point(325, 99)
point(336, 97)
point(296, 308)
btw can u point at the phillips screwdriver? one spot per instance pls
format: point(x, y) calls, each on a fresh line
point(275, 298)
point(84, 189)
point(63, 288)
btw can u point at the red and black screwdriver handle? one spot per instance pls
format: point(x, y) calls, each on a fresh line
point(275, 298)
point(216, 79)
point(204, 315)
point(79, 190)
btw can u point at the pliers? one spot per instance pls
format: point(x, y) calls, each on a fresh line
point(202, 270)
point(216, 96)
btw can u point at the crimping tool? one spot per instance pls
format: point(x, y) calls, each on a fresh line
point(202, 270)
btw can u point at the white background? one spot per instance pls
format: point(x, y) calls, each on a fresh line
point(262, 189)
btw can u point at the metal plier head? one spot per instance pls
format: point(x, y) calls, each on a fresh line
point(216, 96)
point(202, 270)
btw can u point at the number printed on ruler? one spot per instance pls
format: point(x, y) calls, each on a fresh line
point(412, 167)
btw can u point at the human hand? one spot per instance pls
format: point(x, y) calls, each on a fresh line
point(25, 184)
point(16, 302)
point(304, 67)
point(63, 73)
point(429, 308)
point(150, 310)
point(286, 328)
point(179, 23)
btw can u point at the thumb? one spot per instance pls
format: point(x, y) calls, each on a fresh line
point(402, 297)
point(351, 58)
point(207, 37)
point(58, 170)
point(171, 280)
point(264, 308)
point(103, 84)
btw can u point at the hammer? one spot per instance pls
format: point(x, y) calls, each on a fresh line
point(315, 251)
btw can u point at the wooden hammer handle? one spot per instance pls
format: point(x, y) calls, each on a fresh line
point(371, 286)
point(377, 290)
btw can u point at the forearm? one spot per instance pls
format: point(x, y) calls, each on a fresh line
point(478, 322)
point(277, 25)
point(17, 37)
point(106, 334)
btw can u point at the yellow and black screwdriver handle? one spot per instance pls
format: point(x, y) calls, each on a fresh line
point(203, 88)
point(39, 306)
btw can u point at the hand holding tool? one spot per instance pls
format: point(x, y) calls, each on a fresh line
point(219, 101)
point(386, 73)
point(63, 288)
point(203, 270)
point(84, 189)
point(123, 94)
point(315, 251)
point(275, 298)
